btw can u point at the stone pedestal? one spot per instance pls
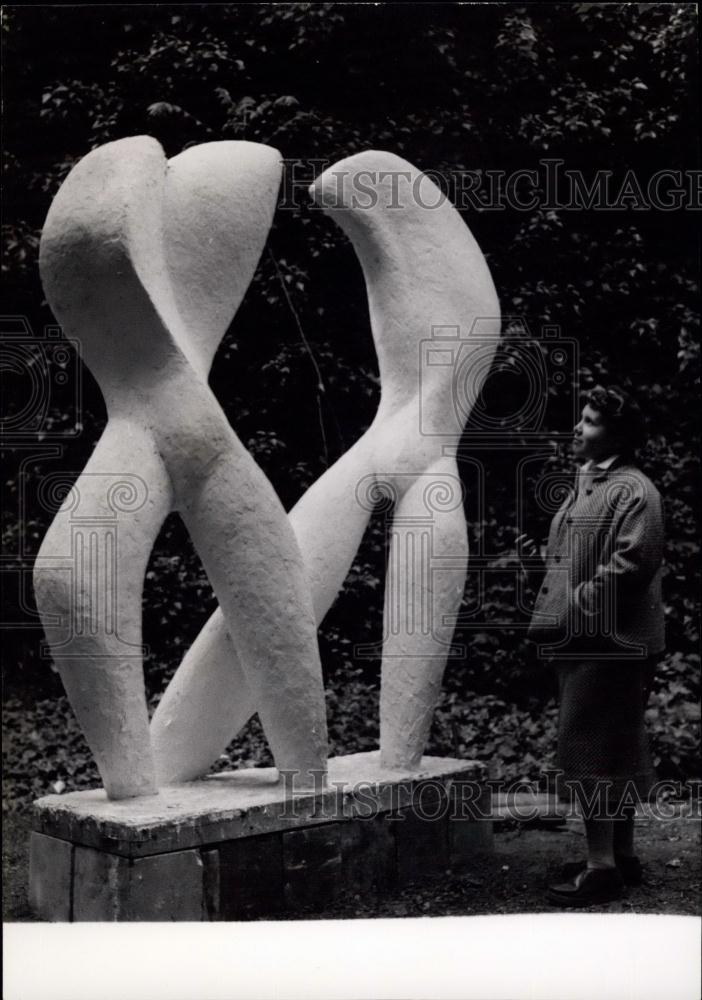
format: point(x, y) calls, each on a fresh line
point(245, 844)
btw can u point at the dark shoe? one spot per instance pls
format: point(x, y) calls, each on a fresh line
point(570, 870)
point(591, 886)
point(630, 868)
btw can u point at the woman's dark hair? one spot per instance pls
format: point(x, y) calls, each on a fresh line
point(622, 417)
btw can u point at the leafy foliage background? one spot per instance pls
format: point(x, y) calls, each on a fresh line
point(453, 89)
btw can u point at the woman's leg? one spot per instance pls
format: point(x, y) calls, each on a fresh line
point(600, 843)
point(624, 824)
point(624, 834)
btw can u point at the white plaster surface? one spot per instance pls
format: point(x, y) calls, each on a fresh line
point(240, 803)
point(423, 270)
point(145, 262)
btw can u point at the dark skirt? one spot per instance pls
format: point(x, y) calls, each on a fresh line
point(603, 757)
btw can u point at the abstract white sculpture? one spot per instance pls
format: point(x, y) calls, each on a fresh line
point(423, 270)
point(145, 262)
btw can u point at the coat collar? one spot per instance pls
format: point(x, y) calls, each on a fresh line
point(599, 473)
point(616, 463)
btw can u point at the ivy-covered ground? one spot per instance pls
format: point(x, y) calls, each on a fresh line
point(44, 750)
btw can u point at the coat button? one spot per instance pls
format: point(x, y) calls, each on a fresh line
point(544, 590)
point(556, 558)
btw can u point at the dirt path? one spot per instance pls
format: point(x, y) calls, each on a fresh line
point(514, 878)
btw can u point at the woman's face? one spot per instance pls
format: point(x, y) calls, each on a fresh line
point(591, 439)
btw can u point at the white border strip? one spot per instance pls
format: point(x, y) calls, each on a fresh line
point(538, 957)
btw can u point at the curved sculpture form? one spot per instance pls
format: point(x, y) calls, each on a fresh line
point(423, 271)
point(145, 262)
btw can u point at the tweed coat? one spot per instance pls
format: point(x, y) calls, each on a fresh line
point(601, 594)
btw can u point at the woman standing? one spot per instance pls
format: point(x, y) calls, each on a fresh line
point(599, 617)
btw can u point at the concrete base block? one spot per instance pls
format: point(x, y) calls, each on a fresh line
point(161, 888)
point(470, 831)
point(242, 845)
point(50, 877)
point(369, 856)
point(312, 866)
point(421, 844)
point(250, 877)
